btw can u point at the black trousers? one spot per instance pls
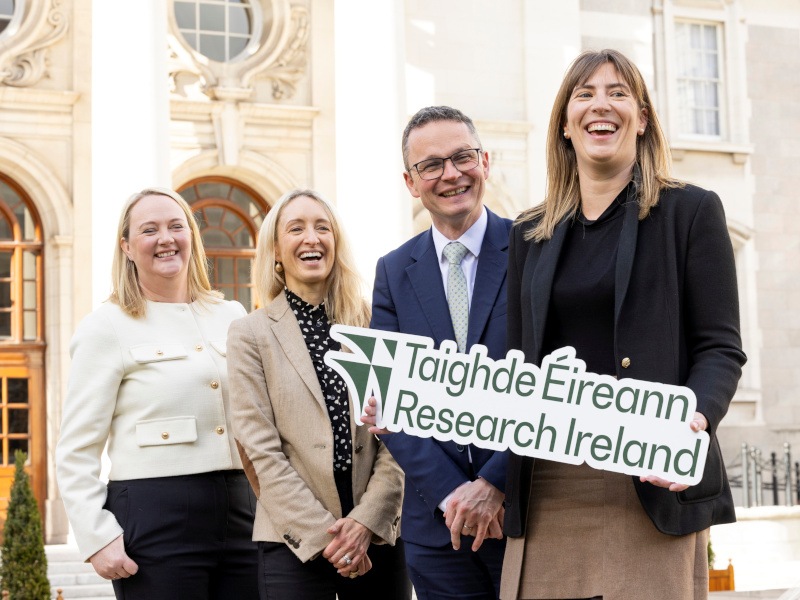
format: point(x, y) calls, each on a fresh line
point(282, 576)
point(191, 536)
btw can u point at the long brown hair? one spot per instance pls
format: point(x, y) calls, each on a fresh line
point(653, 161)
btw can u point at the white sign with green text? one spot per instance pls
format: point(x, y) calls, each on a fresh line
point(557, 411)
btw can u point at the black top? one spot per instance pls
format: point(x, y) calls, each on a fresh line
point(316, 329)
point(581, 310)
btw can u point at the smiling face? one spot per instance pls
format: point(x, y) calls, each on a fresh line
point(305, 247)
point(454, 200)
point(603, 120)
point(159, 243)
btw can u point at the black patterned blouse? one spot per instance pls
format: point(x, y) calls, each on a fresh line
point(316, 331)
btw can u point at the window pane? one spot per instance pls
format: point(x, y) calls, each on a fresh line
point(244, 295)
point(214, 190)
point(224, 273)
point(5, 264)
point(13, 446)
point(17, 390)
point(243, 269)
point(29, 295)
point(236, 46)
point(5, 294)
point(185, 15)
point(213, 46)
point(238, 20)
point(7, 8)
point(213, 216)
point(6, 233)
point(231, 221)
point(215, 238)
point(17, 420)
point(29, 328)
point(212, 18)
point(711, 67)
point(709, 37)
point(5, 325)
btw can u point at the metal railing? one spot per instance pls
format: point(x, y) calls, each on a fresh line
point(757, 475)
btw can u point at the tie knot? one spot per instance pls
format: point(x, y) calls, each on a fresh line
point(454, 252)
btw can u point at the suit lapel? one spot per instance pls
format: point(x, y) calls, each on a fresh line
point(289, 336)
point(625, 252)
point(426, 279)
point(489, 278)
point(542, 282)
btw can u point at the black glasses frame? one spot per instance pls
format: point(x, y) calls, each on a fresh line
point(415, 167)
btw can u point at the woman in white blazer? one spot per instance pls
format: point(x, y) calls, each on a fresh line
point(329, 493)
point(149, 378)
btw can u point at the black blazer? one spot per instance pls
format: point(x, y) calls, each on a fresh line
point(676, 321)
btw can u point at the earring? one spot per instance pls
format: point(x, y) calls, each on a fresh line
point(566, 135)
point(278, 267)
point(641, 131)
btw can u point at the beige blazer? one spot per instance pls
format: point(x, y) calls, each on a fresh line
point(281, 422)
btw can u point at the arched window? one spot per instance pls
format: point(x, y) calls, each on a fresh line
point(22, 402)
point(20, 267)
point(229, 215)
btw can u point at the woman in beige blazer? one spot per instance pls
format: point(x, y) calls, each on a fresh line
point(149, 378)
point(329, 494)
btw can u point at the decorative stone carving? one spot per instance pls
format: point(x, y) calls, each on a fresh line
point(281, 57)
point(23, 61)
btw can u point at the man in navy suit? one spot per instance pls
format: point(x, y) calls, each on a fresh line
point(453, 507)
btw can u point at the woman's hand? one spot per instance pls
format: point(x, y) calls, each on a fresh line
point(348, 549)
point(111, 561)
point(370, 416)
point(699, 423)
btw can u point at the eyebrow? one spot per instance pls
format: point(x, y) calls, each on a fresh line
point(171, 221)
point(616, 84)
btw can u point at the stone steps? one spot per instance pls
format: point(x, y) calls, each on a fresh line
point(75, 578)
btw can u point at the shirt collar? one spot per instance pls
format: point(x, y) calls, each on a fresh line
point(472, 238)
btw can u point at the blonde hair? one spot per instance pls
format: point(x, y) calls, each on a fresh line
point(652, 170)
point(126, 291)
point(343, 300)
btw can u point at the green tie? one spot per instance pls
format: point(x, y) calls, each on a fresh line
point(457, 296)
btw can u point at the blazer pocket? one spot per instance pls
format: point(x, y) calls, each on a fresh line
point(163, 432)
point(220, 346)
point(713, 481)
point(147, 353)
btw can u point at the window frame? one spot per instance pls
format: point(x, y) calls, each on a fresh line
point(733, 104)
point(256, 33)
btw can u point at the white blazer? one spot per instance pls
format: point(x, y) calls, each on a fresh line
point(154, 388)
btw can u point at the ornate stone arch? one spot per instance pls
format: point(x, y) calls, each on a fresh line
point(265, 176)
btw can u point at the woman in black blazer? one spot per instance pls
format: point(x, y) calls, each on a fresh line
point(636, 271)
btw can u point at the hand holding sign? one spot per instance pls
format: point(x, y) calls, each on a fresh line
point(557, 411)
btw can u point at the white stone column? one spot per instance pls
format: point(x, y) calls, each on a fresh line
point(370, 115)
point(130, 117)
point(551, 43)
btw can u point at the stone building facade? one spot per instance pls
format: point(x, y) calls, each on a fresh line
point(234, 103)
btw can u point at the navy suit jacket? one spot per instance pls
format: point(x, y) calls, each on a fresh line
point(409, 297)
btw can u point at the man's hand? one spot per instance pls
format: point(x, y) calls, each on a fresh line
point(111, 561)
point(475, 508)
point(698, 423)
point(370, 417)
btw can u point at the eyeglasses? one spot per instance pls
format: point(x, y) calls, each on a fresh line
point(433, 168)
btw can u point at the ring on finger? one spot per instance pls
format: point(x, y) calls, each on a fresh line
point(353, 574)
point(467, 527)
point(347, 560)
